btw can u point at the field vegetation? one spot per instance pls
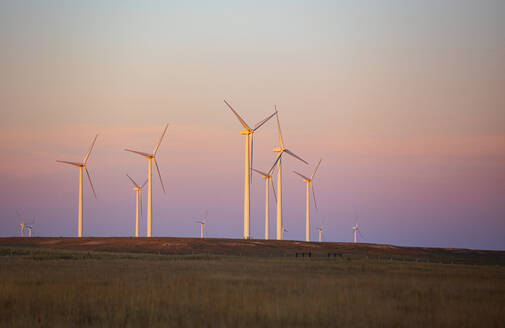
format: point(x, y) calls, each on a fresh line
point(66, 288)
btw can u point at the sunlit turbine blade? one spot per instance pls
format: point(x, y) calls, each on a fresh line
point(251, 159)
point(144, 184)
point(90, 183)
point(238, 116)
point(279, 127)
point(129, 177)
point(260, 123)
point(139, 153)
point(313, 194)
point(161, 138)
point(303, 176)
point(273, 188)
point(89, 151)
point(275, 163)
point(295, 156)
point(260, 172)
point(71, 163)
point(159, 175)
point(315, 170)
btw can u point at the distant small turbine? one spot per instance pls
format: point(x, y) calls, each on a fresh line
point(138, 196)
point(283, 231)
point(29, 226)
point(21, 224)
point(267, 177)
point(249, 144)
point(356, 231)
point(308, 182)
point(320, 232)
point(202, 225)
point(82, 166)
point(150, 159)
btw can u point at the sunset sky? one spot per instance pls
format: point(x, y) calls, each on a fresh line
point(403, 100)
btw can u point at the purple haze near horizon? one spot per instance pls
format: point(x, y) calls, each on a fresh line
point(403, 101)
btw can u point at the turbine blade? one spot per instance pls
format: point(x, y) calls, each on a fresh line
point(144, 184)
point(139, 153)
point(90, 183)
point(315, 170)
point(273, 188)
point(71, 163)
point(275, 163)
point(89, 151)
point(135, 184)
point(260, 172)
point(159, 175)
point(279, 127)
point(303, 176)
point(238, 117)
point(251, 159)
point(161, 138)
point(260, 123)
point(313, 195)
point(295, 156)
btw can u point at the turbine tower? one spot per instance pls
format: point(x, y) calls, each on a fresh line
point(267, 177)
point(249, 143)
point(308, 183)
point(281, 150)
point(138, 196)
point(82, 167)
point(150, 159)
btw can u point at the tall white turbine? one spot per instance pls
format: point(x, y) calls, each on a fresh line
point(308, 183)
point(268, 178)
point(150, 159)
point(138, 196)
point(82, 167)
point(281, 150)
point(249, 143)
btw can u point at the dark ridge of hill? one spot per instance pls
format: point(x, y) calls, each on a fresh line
point(260, 248)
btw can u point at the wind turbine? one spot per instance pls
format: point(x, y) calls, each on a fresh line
point(82, 167)
point(281, 150)
point(21, 224)
point(356, 231)
point(150, 159)
point(249, 143)
point(29, 226)
point(308, 183)
point(283, 231)
point(267, 177)
point(202, 225)
point(320, 232)
point(138, 196)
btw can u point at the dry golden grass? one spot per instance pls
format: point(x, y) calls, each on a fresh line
point(58, 288)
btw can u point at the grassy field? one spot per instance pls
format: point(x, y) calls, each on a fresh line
point(64, 288)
